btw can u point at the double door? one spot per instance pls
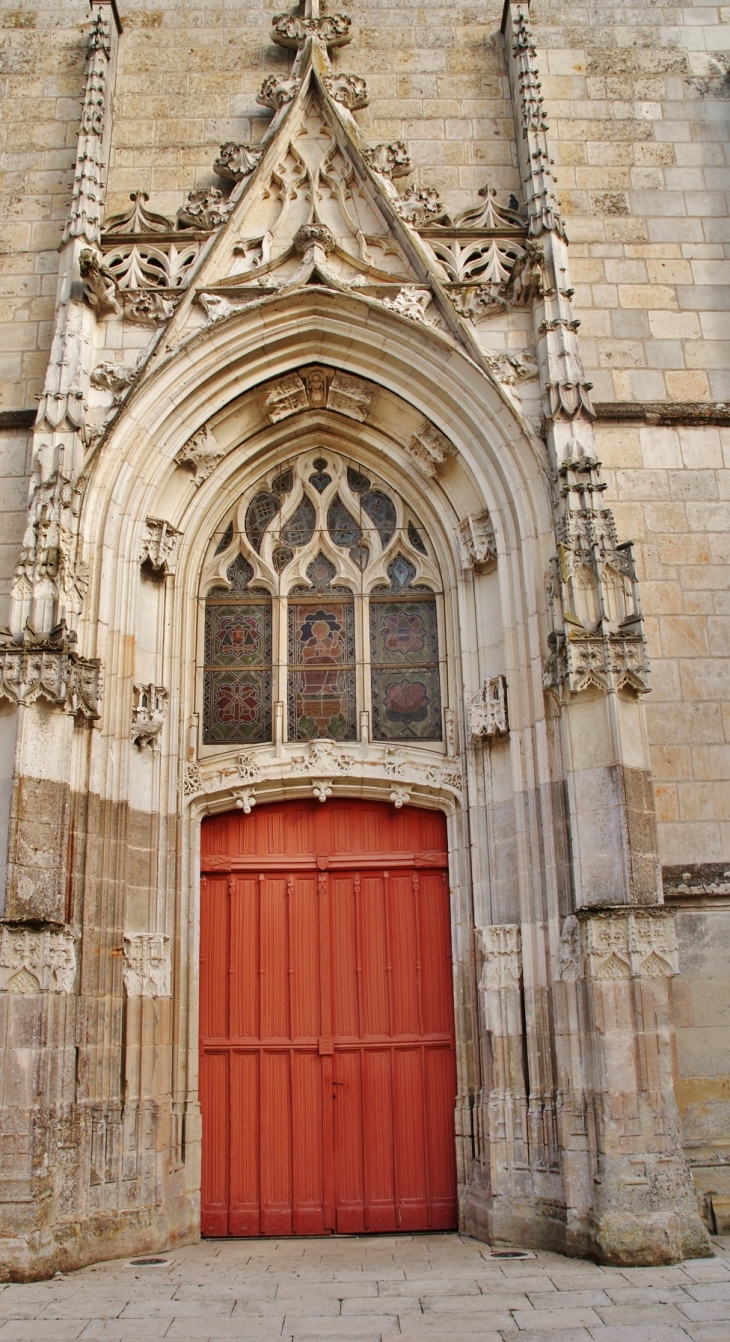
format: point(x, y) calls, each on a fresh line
point(327, 1037)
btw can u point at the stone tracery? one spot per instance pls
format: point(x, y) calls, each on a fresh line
point(315, 540)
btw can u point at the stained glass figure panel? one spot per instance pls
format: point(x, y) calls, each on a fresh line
point(322, 670)
point(406, 695)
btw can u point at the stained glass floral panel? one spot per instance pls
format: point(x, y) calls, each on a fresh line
point(322, 670)
point(405, 689)
point(237, 706)
point(237, 675)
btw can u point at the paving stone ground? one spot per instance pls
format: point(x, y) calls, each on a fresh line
point(422, 1288)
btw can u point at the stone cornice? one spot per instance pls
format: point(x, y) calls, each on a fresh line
point(664, 412)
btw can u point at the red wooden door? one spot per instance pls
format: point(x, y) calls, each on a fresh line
point(327, 1073)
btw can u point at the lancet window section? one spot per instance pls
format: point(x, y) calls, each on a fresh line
point(237, 676)
point(346, 574)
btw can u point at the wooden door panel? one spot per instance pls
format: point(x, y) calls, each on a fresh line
point(348, 1142)
point(214, 1089)
point(327, 1075)
point(276, 1148)
point(377, 1123)
point(244, 1216)
point(305, 950)
point(345, 965)
point(243, 958)
point(403, 955)
point(308, 1156)
point(274, 958)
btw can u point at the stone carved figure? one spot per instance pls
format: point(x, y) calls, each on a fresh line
point(100, 290)
point(478, 541)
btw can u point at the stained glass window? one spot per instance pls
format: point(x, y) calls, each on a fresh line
point(321, 658)
point(237, 676)
point(404, 656)
point(312, 531)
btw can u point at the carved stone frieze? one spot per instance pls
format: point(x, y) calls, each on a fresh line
point(192, 779)
point(487, 710)
point(236, 161)
point(315, 386)
point(430, 448)
point(323, 756)
point(477, 541)
point(47, 667)
point(618, 943)
point(203, 452)
point(159, 546)
point(349, 90)
point(147, 964)
point(613, 661)
point(248, 766)
point(100, 290)
point(149, 711)
point(36, 961)
point(500, 946)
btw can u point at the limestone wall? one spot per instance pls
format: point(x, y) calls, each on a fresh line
point(638, 114)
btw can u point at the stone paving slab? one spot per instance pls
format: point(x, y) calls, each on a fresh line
point(419, 1288)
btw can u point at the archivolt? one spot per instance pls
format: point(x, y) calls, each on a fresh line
point(218, 375)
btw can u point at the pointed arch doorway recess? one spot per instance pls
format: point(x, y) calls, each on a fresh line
point(327, 1061)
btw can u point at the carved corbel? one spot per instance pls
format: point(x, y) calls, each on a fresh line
point(322, 788)
point(477, 541)
point(47, 666)
point(430, 448)
point(204, 210)
point(148, 714)
point(203, 452)
point(400, 796)
point(245, 799)
point(159, 546)
point(487, 710)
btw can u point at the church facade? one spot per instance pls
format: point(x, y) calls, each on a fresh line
point(364, 696)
